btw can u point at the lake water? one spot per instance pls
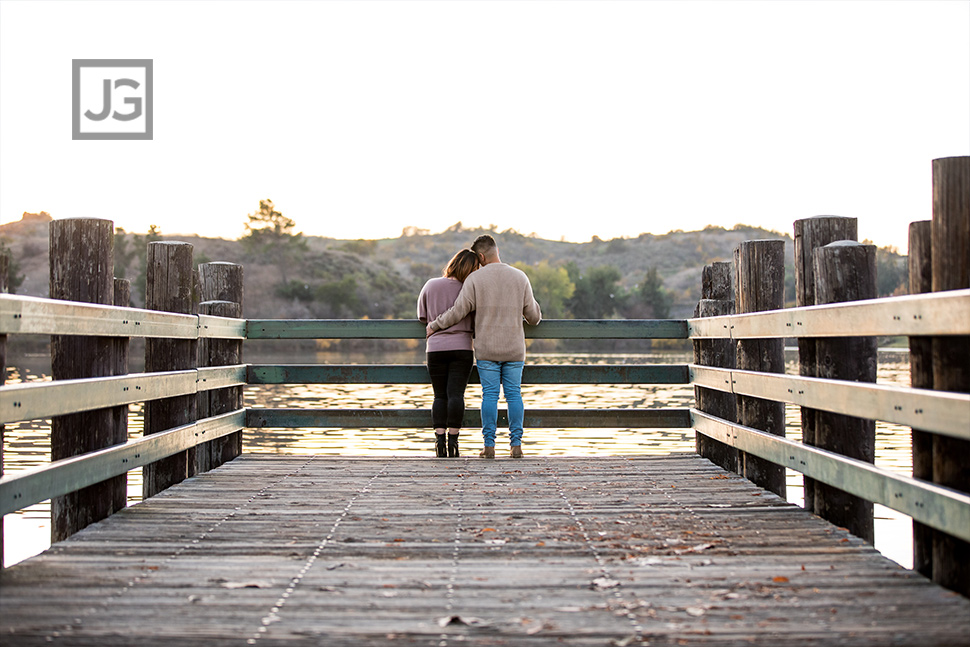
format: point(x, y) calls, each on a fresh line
point(27, 444)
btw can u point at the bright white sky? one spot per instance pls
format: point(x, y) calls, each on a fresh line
point(567, 119)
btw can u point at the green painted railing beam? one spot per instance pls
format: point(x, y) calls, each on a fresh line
point(421, 418)
point(418, 374)
point(413, 329)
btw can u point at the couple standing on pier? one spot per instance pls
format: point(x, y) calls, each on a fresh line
point(478, 296)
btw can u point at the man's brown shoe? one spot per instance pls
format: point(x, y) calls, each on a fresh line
point(517, 451)
point(488, 452)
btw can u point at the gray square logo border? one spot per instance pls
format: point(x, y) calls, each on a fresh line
point(77, 64)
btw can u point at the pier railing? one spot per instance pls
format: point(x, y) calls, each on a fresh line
point(935, 412)
point(30, 401)
point(43, 400)
point(418, 374)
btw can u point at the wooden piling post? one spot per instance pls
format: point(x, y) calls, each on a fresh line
point(221, 282)
point(221, 291)
point(717, 292)
point(951, 368)
point(810, 234)
point(219, 352)
point(170, 289)
point(760, 271)
point(119, 362)
point(845, 271)
point(4, 287)
point(81, 269)
point(921, 377)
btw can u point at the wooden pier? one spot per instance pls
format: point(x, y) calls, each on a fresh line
point(680, 550)
point(365, 551)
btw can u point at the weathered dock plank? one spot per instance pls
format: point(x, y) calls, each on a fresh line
point(271, 550)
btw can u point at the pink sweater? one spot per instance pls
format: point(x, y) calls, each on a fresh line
point(436, 296)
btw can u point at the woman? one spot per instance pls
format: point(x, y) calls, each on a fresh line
point(450, 355)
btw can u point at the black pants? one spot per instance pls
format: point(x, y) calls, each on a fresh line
point(449, 371)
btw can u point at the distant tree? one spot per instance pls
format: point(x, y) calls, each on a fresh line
point(597, 292)
point(424, 271)
point(200, 258)
point(14, 278)
point(125, 253)
point(297, 291)
point(360, 247)
point(269, 237)
point(892, 272)
point(340, 295)
point(652, 293)
point(551, 286)
point(617, 246)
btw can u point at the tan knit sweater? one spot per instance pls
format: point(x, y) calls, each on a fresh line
point(501, 296)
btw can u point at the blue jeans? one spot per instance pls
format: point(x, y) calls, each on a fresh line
point(508, 376)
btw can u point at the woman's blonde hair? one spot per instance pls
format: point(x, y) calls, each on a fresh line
point(461, 265)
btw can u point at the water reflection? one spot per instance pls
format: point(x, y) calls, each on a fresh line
point(27, 444)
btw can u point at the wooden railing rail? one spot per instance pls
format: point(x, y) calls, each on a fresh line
point(36, 400)
point(939, 412)
point(412, 329)
point(34, 315)
point(942, 508)
point(22, 489)
point(938, 313)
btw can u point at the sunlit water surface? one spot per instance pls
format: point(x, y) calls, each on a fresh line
point(27, 444)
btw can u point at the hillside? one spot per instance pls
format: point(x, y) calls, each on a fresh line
point(381, 278)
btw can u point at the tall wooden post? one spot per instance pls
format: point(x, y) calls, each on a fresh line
point(921, 377)
point(221, 291)
point(810, 234)
point(4, 288)
point(170, 287)
point(951, 368)
point(760, 271)
point(717, 292)
point(81, 269)
point(845, 271)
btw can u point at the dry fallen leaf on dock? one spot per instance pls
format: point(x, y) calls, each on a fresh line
point(247, 585)
point(601, 583)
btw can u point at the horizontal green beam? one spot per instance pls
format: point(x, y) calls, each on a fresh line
point(418, 374)
point(413, 329)
point(608, 329)
point(421, 418)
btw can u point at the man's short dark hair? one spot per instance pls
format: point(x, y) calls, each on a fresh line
point(483, 244)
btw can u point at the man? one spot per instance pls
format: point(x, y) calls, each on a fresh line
point(501, 297)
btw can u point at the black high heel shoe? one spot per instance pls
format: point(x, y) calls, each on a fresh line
point(439, 446)
point(452, 445)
